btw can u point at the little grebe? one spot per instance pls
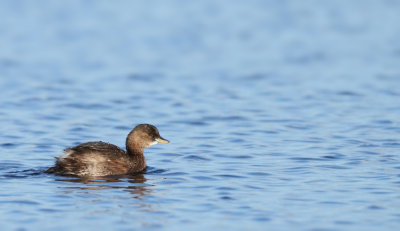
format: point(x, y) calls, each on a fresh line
point(102, 159)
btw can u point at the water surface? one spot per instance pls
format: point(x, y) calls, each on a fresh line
point(282, 115)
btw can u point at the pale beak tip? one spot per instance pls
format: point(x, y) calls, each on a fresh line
point(162, 140)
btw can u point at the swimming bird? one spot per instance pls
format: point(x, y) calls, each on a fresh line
point(101, 159)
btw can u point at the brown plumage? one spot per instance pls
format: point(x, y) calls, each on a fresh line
point(102, 159)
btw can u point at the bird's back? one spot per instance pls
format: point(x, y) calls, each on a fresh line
point(93, 159)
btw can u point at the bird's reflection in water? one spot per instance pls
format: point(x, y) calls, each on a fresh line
point(134, 184)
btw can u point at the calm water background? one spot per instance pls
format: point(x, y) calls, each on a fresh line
point(283, 115)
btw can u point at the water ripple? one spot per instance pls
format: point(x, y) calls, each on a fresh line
point(196, 158)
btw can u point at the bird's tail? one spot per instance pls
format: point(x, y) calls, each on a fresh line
point(51, 170)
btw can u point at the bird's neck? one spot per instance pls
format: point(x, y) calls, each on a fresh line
point(133, 150)
point(136, 158)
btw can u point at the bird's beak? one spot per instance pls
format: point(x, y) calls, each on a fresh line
point(162, 140)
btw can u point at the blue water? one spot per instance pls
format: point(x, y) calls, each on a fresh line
point(282, 115)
